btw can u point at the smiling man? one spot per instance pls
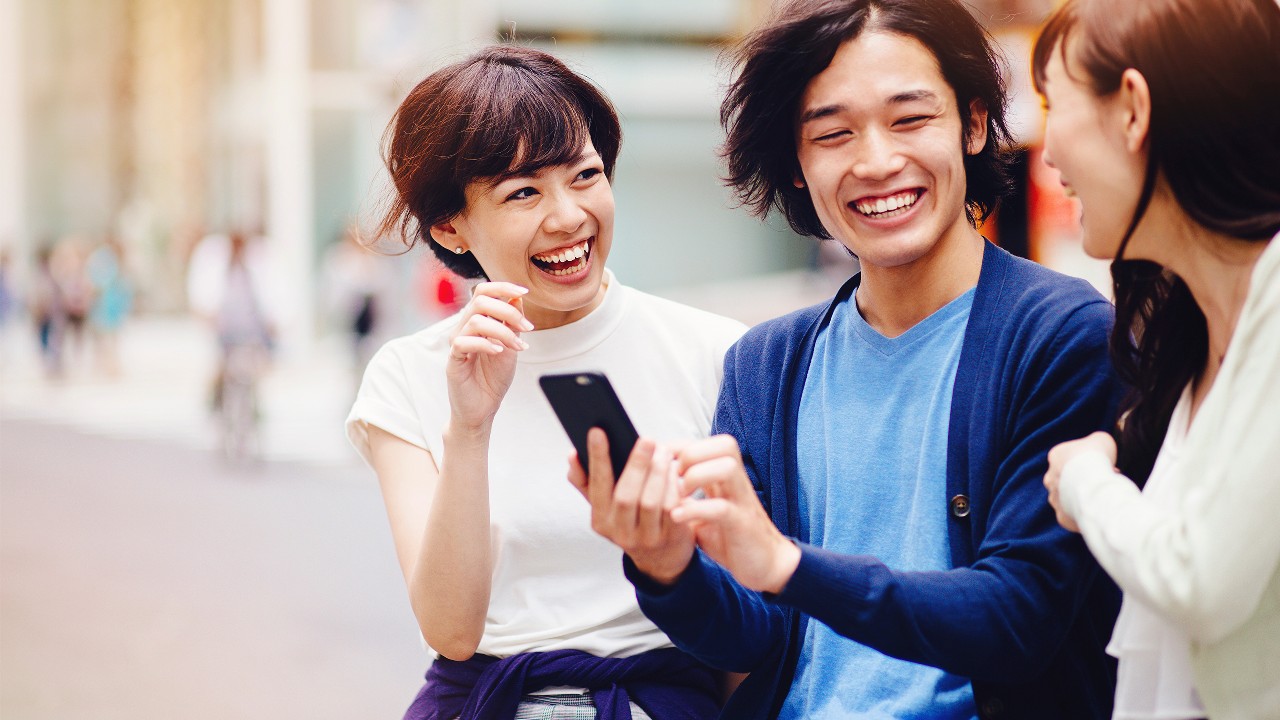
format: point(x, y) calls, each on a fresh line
point(874, 541)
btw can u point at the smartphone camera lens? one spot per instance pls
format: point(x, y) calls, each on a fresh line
point(583, 380)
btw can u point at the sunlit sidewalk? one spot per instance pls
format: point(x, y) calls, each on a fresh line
point(162, 391)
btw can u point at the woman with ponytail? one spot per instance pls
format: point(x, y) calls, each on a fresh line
point(1161, 117)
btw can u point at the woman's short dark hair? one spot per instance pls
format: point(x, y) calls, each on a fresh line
point(778, 60)
point(506, 110)
point(1213, 71)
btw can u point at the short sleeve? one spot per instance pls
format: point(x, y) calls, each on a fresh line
point(385, 400)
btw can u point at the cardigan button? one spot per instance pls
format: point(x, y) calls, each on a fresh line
point(960, 506)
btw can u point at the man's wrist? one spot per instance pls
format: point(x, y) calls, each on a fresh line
point(664, 574)
point(786, 558)
point(645, 583)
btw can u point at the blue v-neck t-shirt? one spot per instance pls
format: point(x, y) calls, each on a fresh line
point(872, 449)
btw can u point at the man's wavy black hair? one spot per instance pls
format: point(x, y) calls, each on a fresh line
point(777, 61)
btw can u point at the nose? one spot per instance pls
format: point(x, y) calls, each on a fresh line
point(565, 213)
point(1046, 158)
point(878, 157)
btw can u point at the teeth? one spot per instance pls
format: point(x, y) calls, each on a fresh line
point(575, 255)
point(889, 204)
point(572, 253)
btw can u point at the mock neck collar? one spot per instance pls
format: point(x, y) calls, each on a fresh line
point(579, 336)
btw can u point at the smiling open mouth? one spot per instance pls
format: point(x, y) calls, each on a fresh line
point(887, 207)
point(566, 261)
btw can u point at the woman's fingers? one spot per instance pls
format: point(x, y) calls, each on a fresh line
point(498, 289)
point(486, 327)
point(465, 345)
point(504, 311)
point(495, 314)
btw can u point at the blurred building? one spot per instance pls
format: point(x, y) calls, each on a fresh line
point(161, 121)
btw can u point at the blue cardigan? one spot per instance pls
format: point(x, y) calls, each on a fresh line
point(1025, 613)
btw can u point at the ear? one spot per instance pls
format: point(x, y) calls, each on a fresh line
point(977, 127)
point(446, 236)
point(1135, 107)
point(798, 181)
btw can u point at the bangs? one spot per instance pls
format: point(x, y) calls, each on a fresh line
point(523, 122)
point(1054, 36)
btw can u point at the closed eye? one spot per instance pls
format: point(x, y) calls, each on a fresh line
point(832, 135)
point(912, 119)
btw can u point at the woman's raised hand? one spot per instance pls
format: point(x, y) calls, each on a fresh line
point(1063, 453)
point(482, 352)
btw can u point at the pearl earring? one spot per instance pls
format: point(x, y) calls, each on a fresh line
point(458, 250)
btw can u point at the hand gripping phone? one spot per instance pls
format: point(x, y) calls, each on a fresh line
point(585, 400)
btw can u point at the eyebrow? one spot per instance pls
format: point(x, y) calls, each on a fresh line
point(903, 97)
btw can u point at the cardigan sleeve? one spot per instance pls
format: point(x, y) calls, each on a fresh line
point(1206, 562)
point(1004, 617)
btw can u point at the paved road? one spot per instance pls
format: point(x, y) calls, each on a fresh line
point(140, 579)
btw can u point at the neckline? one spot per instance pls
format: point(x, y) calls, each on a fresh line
point(583, 334)
point(957, 306)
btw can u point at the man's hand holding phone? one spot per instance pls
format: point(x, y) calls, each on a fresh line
point(635, 511)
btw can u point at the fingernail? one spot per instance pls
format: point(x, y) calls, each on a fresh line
point(523, 345)
point(526, 325)
point(496, 346)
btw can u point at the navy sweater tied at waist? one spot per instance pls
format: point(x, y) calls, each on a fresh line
point(666, 683)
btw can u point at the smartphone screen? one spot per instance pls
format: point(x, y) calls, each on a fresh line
point(585, 400)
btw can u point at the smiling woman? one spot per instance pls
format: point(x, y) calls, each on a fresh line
point(505, 142)
point(1161, 119)
point(502, 164)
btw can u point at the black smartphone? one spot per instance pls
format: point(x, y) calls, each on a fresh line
point(585, 400)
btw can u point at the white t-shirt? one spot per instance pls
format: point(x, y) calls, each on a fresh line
point(556, 583)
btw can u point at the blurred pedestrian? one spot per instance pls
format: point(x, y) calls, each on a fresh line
point(48, 313)
point(10, 305)
point(227, 287)
point(67, 264)
point(112, 301)
point(355, 281)
point(1162, 121)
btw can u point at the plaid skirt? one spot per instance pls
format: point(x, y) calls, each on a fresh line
point(569, 706)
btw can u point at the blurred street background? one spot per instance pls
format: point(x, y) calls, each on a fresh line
point(145, 570)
